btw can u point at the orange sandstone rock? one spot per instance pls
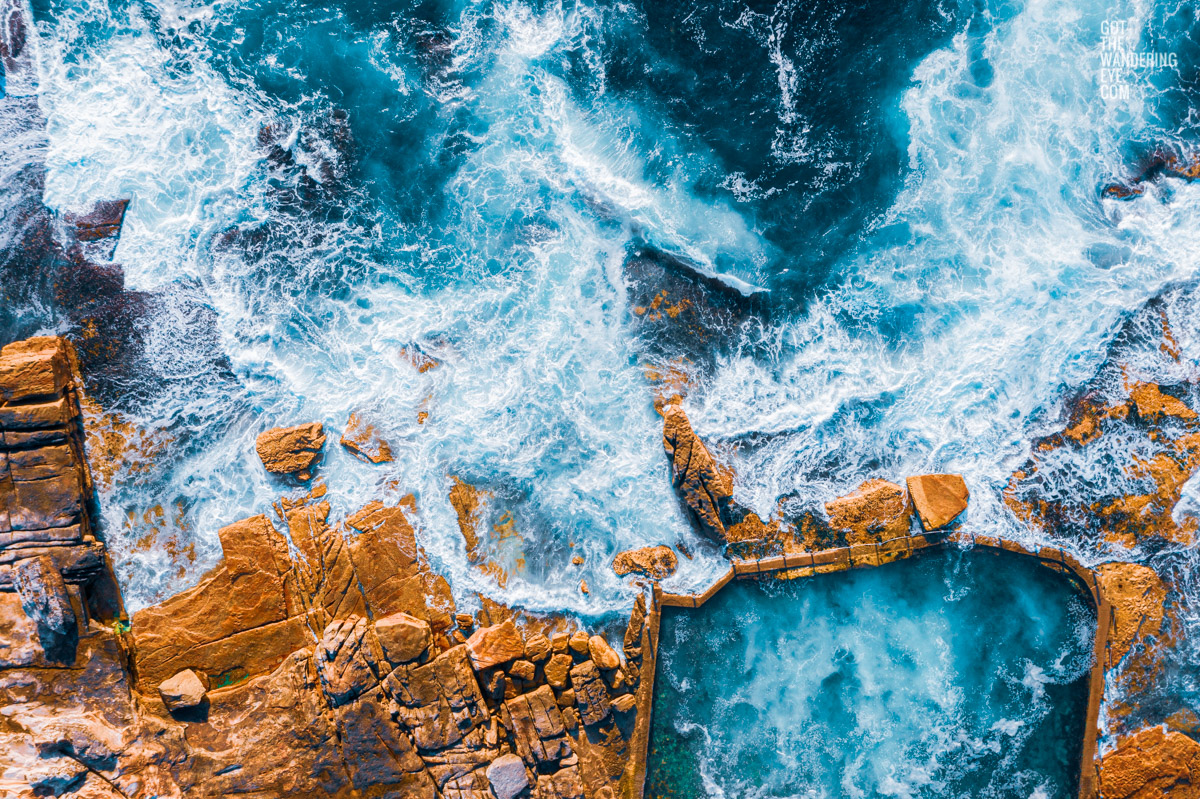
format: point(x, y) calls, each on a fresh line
point(1152, 764)
point(603, 654)
point(705, 488)
point(236, 620)
point(654, 562)
point(465, 499)
point(403, 637)
point(875, 511)
point(1137, 595)
point(387, 562)
point(183, 691)
point(938, 498)
point(491, 646)
point(291, 450)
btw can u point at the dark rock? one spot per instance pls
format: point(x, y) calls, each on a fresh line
point(45, 600)
point(99, 230)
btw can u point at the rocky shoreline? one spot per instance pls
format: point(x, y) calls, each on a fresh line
point(332, 660)
point(339, 668)
point(345, 655)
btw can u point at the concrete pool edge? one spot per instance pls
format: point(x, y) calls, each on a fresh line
point(872, 556)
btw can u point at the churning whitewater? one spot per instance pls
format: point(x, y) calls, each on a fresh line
point(325, 196)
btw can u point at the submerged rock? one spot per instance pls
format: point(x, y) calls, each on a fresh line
point(99, 230)
point(656, 563)
point(291, 450)
point(938, 498)
point(363, 439)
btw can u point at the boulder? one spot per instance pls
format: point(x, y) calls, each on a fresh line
point(507, 776)
point(591, 697)
point(558, 671)
point(1150, 764)
point(579, 642)
point(657, 563)
point(184, 691)
point(492, 646)
point(363, 439)
point(938, 498)
point(624, 703)
point(403, 637)
point(537, 648)
point(348, 658)
point(291, 450)
point(522, 670)
point(536, 727)
point(603, 654)
point(875, 511)
point(704, 488)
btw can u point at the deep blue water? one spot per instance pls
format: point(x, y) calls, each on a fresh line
point(951, 675)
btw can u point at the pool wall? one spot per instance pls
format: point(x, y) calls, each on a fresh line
point(871, 556)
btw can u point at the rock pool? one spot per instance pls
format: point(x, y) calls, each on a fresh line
point(955, 674)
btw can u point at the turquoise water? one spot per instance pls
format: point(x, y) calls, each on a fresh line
point(952, 675)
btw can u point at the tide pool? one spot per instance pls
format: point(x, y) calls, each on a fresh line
point(955, 674)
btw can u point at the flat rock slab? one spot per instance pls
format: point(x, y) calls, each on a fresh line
point(938, 498)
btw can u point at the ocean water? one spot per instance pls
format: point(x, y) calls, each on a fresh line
point(949, 675)
point(901, 202)
point(913, 207)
